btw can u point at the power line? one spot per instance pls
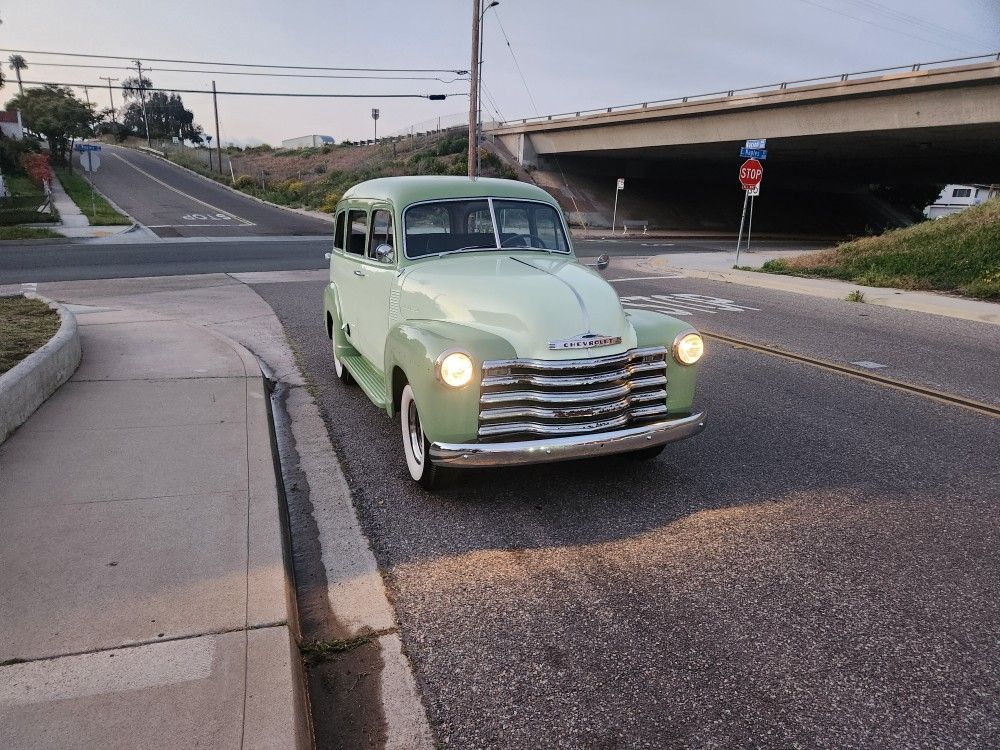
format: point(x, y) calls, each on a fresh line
point(240, 65)
point(914, 21)
point(432, 97)
point(879, 25)
point(516, 64)
point(245, 72)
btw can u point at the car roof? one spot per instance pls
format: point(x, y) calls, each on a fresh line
point(402, 191)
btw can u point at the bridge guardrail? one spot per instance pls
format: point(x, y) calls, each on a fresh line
point(842, 77)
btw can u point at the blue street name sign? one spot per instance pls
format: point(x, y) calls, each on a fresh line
point(753, 153)
point(83, 147)
point(756, 143)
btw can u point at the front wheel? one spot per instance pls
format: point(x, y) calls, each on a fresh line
point(416, 447)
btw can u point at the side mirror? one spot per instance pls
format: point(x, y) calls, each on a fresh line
point(603, 261)
point(385, 254)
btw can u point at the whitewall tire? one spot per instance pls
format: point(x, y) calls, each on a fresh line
point(343, 374)
point(416, 447)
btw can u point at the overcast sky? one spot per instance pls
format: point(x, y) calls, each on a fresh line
point(573, 55)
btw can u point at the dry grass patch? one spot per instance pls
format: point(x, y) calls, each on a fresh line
point(25, 325)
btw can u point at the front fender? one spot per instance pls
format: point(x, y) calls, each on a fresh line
point(412, 348)
point(657, 329)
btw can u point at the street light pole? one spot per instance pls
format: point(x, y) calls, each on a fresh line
point(474, 88)
point(375, 114)
point(479, 87)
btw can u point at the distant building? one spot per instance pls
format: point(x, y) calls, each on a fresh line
point(308, 141)
point(10, 124)
point(955, 198)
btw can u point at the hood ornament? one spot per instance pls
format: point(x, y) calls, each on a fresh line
point(585, 341)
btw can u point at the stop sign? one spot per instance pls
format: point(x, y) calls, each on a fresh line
point(751, 173)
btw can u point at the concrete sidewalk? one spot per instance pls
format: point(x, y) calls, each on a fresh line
point(145, 596)
point(719, 267)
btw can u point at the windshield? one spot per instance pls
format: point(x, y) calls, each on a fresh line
point(467, 225)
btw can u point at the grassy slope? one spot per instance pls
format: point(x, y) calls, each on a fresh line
point(959, 253)
point(25, 325)
point(78, 190)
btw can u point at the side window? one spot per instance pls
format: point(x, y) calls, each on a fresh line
point(338, 234)
point(357, 227)
point(381, 233)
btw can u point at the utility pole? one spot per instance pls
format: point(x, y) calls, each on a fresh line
point(479, 87)
point(375, 114)
point(474, 89)
point(142, 98)
point(86, 93)
point(218, 138)
point(111, 95)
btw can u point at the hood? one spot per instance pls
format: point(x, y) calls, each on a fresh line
point(529, 299)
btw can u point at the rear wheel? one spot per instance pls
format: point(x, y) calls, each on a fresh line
point(416, 447)
point(343, 374)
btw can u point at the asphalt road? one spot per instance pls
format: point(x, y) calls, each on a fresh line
point(174, 202)
point(68, 261)
point(817, 569)
point(71, 261)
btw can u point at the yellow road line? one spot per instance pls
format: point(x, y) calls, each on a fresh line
point(181, 192)
point(930, 393)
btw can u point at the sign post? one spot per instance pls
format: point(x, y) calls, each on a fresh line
point(614, 216)
point(90, 161)
point(750, 175)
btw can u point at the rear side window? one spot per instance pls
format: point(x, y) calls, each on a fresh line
point(357, 228)
point(381, 231)
point(338, 234)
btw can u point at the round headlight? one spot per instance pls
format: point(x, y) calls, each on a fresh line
point(455, 369)
point(688, 348)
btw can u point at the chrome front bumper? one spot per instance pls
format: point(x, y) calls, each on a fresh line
point(519, 453)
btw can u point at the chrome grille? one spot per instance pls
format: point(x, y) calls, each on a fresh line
point(524, 398)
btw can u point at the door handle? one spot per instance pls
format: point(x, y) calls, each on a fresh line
point(359, 273)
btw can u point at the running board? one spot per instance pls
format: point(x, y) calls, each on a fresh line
point(371, 380)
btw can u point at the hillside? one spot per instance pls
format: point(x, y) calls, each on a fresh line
point(960, 253)
point(315, 178)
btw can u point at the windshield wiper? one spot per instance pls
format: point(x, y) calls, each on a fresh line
point(466, 248)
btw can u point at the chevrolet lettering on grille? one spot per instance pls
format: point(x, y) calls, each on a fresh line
point(585, 341)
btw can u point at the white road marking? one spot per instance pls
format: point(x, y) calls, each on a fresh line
point(157, 180)
point(645, 278)
point(685, 304)
point(869, 365)
point(29, 287)
point(165, 226)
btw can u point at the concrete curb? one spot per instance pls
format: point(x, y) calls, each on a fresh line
point(900, 299)
point(32, 380)
point(300, 211)
point(267, 509)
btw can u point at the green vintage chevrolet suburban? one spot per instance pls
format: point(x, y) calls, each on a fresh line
point(459, 305)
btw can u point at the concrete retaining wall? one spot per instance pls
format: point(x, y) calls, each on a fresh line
point(36, 377)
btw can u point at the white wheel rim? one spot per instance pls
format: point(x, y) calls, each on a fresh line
point(413, 434)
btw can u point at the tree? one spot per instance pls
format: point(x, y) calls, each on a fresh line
point(57, 114)
point(17, 64)
point(165, 112)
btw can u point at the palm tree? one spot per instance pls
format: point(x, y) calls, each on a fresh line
point(17, 64)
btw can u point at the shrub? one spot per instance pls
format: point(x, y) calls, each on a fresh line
point(37, 167)
point(245, 182)
point(329, 204)
point(292, 188)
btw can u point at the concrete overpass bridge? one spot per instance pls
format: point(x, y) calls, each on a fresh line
point(902, 129)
